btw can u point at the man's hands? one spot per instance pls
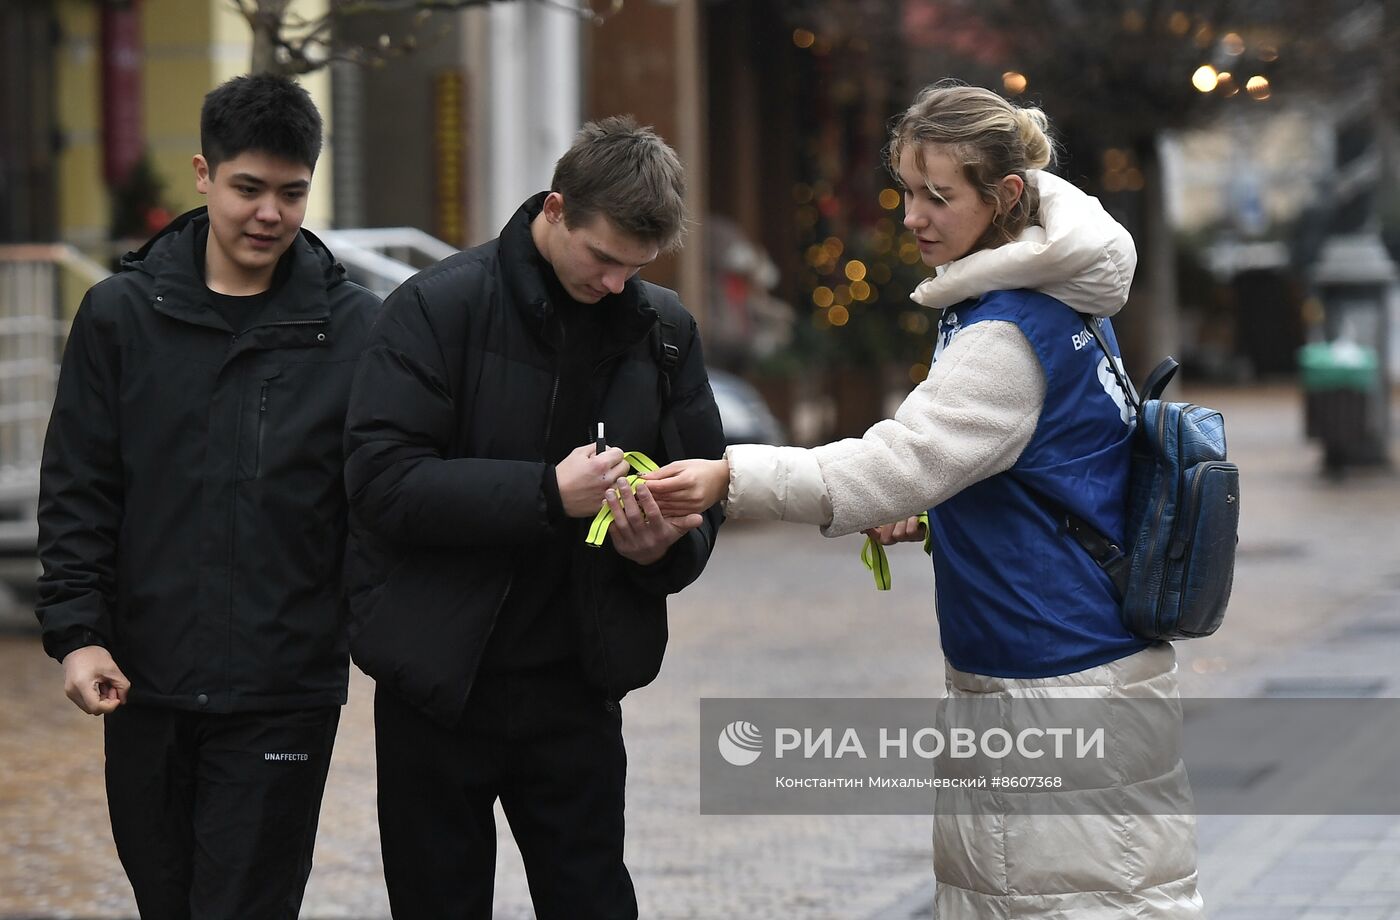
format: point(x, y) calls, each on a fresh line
point(689, 486)
point(92, 680)
point(639, 530)
point(585, 475)
point(910, 530)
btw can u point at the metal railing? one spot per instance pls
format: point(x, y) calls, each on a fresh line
point(40, 286)
point(382, 258)
point(37, 300)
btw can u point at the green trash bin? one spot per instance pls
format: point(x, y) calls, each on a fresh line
point(1341, 387)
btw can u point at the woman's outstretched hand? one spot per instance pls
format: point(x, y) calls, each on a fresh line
point(688, 486)
point(909, 530)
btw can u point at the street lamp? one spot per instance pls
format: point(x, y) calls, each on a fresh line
point(1230, 52)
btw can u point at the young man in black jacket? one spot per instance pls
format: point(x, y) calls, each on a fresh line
point(192, 521)
point(500, 639)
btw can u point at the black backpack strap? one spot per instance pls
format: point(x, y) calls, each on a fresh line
point(1092, 324)
point(1106, 554)
point(453, 329)
point(668, 358)
point(1157, 381)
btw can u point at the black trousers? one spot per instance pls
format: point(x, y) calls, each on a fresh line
point(214, 816)
point(550, 748)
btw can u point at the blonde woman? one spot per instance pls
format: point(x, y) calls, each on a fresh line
point(1018, 422)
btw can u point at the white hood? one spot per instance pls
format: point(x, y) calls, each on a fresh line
point(1079, 255)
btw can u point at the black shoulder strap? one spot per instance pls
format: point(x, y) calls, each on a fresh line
point(453, 331)
point(1108, 555)
point(1157, 381)
point(668, 357)
point(1092, 324)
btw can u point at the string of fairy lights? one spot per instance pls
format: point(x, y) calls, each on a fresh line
point(864, 279)
point(859, 263)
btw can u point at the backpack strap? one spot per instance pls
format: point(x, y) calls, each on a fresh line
point(454, 327)
point(668, 358)
point(1157, 381)
point(1106, 554)
point(1092, 324)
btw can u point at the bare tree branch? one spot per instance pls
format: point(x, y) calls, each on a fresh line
point(290, 43)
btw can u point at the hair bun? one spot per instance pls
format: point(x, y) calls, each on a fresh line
point(1034, 128)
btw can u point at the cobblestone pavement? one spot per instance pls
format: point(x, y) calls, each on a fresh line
point(783, 612)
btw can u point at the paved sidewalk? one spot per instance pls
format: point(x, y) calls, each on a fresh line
point(1320, 867)
point(1329, 552)
point(785, 613)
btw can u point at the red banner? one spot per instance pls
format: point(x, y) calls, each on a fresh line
point(123, 130)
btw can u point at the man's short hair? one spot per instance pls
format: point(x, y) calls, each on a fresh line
point(628, 174)
point(260, 112)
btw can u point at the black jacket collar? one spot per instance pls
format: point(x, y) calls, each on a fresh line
point(180, 291)
point(630, 314)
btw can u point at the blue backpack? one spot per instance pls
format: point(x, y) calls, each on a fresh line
point(1175, 572)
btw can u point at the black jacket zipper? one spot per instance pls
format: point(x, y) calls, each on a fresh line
point(262, 421)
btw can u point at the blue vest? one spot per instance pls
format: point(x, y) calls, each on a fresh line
point(1017, 596)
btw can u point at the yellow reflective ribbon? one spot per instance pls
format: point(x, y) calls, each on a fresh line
point(639, 462)
point(873, 556)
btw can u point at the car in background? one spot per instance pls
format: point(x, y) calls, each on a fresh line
point(746, 417)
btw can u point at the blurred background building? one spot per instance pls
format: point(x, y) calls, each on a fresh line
point(1234, 139)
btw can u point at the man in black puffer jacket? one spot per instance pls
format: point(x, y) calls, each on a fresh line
point(192, 521)
point(500, 640)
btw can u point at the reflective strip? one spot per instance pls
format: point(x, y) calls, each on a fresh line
point(872, 554)
point(638, 461)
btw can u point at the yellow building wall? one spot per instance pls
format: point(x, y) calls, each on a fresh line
point(178, 71)
point(189, 47)
point(82, 196)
